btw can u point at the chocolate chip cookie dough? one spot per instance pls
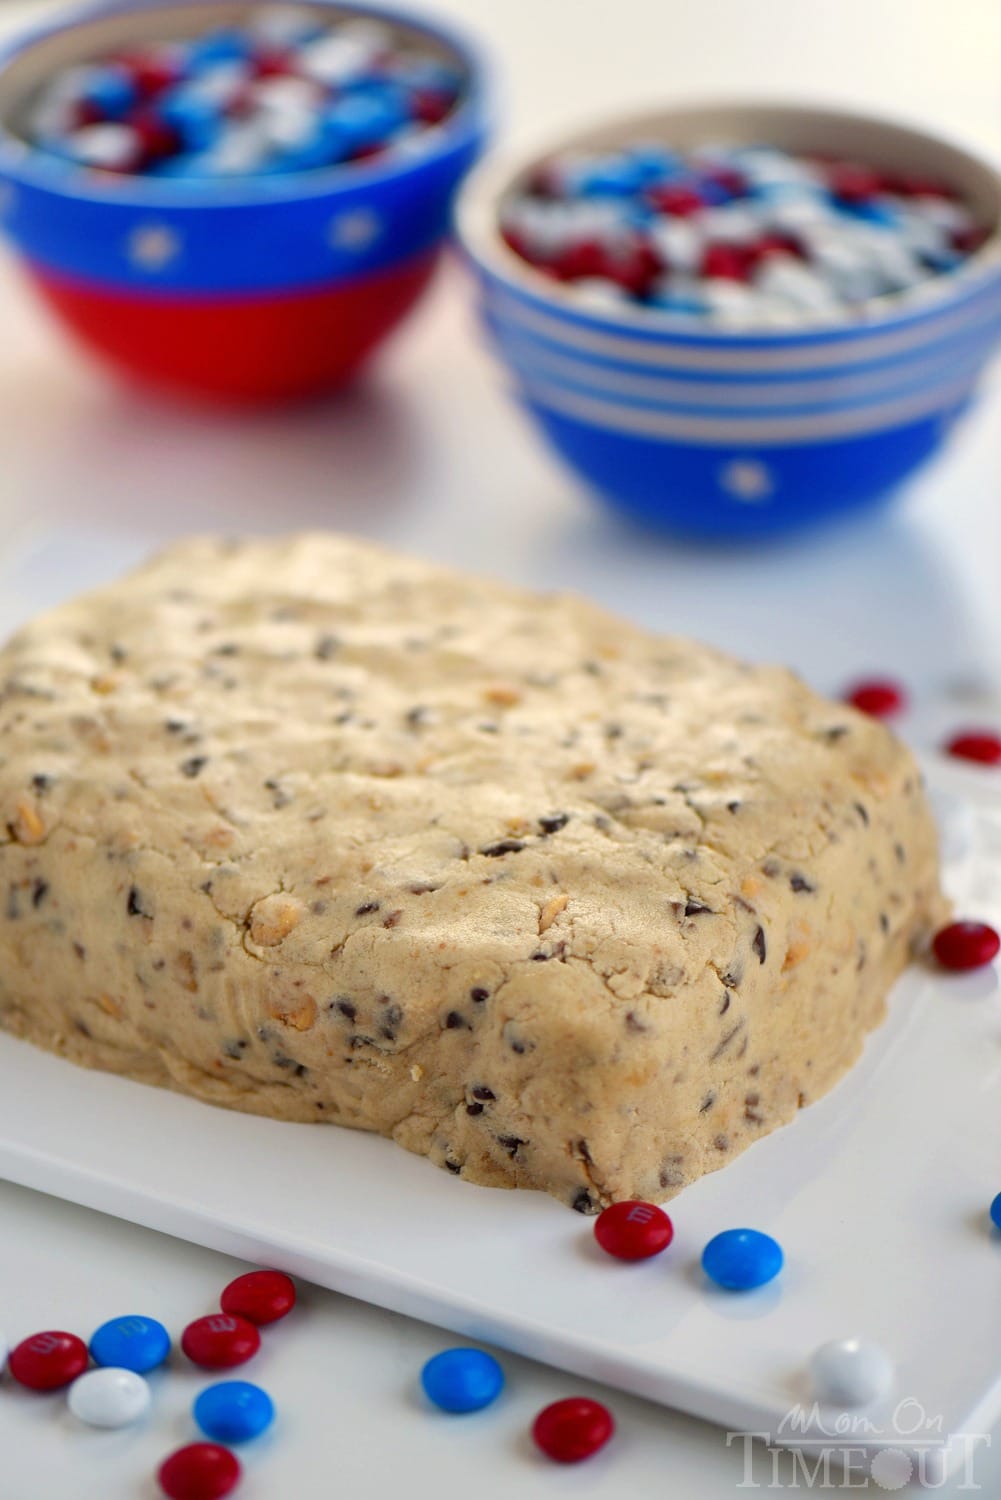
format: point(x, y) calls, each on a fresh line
point(308, 829)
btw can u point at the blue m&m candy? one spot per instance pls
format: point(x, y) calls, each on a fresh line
point(996, 1212)
point(131, 1343)
point(741, 1259)
point(460, 1380)
point(233, 1411)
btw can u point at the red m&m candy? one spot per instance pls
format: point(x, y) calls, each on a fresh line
point(220, 1341)
point(966, 945)
point(633, 1231)
point(202, 1471)
point(982, 745)
point(260, 1296)
point(48, 1361)
point(878, 697)
point(573, 1429)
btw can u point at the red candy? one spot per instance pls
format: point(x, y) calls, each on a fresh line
point(979, 744)
point(680, 201)
point(260, 1297)
point(571, 1430)
point(431, 106)
point(727, 261)
point(633, 1231)
point(202, 1471)
point(879, 698)
point(966, 945)
point(48, 1361)
point(853, 184)
point(220, 1341)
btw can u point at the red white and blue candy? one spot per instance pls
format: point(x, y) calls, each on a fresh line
point(736, 235)
point(288, 91)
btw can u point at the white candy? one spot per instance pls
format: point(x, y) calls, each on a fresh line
point(783, 278)
point(952, 217)
point(282, 94)
point(109, 1398)
point(844, 263)
point(678, 241)
point(336, 58)
point(766, 167)
point(241, 147)
point(282, 26)
point(111, 146)
point(219, 84)
point(601, 294)
point(850, 1372)
point(731, 224)
point(730, 302)
point(799, 211)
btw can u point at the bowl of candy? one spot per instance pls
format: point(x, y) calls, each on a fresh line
point(235, 199)
point(735, 321)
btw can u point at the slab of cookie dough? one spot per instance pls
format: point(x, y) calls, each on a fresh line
point(312, 830)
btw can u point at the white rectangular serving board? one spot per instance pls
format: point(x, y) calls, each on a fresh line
point(878, 1194)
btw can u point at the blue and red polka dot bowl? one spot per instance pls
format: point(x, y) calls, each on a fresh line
point(245, 289)
point(727, 435)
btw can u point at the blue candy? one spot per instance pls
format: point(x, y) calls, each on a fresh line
point(367, 118)
point(740, 1259)
point(996, 1212)
point(233, 1411)
point(197, 120)
point(111, 90)
point(220, 47)
point(460, 1380)
point(131, 1343)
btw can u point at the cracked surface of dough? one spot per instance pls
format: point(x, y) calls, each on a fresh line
point(306, 828)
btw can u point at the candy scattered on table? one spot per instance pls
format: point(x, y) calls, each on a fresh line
point(573, 1429)
point(880, 698)
point(735, 235)
point(234, 1411)
point(131, 1343)
point(201, 1471)
point(288, 91)
point(981, 745)
point(47, 1361)
point(742, 1259)
point(966, 945)
point(633, 1231)
point(850, 1372)
point(260, 1296)
point(220, 1341)
point(109, 1398)
point(462, 1380)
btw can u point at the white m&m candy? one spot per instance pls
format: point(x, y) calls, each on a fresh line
point(109, 1398)
point(850, 1372)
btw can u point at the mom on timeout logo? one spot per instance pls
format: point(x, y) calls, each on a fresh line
point(813, 1450)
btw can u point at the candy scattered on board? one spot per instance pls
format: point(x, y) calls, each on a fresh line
point(462, 1380)
point(735, 235)
point(109, 1397)
point(131, 1343)
point(742, 1259)
point(573, 1429)
point(234, 1411)
point(879, 698)
point(850, 1372)
point(288, 91)
point(47, 1361)
point(201, 1471)
point(981, 745)
point(261, 1297)
point(220, 1341)
point(633, 1231)
point(966, 945)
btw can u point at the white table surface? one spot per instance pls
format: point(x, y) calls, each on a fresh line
point(429, 455)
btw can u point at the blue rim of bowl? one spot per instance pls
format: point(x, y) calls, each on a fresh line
point(478, 224)
point(470, 120)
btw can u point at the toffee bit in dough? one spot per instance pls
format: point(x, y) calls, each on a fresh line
point(348, 930)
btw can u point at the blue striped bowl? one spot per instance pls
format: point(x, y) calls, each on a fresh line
point(734, 434)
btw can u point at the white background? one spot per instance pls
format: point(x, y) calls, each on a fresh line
point(429, 455)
